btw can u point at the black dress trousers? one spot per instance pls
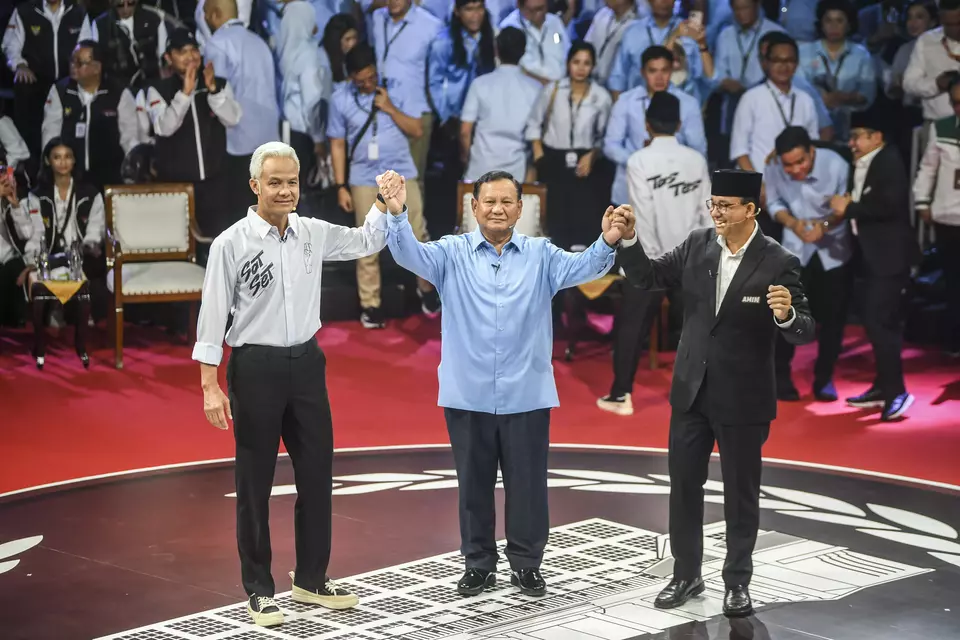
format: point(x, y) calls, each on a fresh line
point(519, 444)
point(882, 313)
point(281, 392)
point(692, 434)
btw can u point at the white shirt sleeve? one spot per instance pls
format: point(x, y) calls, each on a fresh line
point(740, 133)
point(927, 173)
point(161, 40)
point(127, 121)
point(916, 81)
point(350, 243)
point(30, 209)
point(218, 285)
point(13, 42)
point(52, 117)
point(12, 142)
point(166, 118)
point(535, 124)
point(225, 106)
point(96, 224)
point(143, 120)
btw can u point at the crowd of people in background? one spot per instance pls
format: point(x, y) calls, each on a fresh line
point(809, 92)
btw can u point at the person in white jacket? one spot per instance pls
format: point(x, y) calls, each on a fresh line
point(938, 203)
point(669, 185)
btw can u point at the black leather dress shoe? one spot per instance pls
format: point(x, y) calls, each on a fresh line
point(474, 581)
point(737, 602)
point(869, 399)
point(530, 581)
point(677, 592)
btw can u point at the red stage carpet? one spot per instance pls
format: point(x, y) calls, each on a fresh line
point(65, 422)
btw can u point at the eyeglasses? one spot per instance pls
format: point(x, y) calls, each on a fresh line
point(782, 60)
point(81, 63)
point(722, 207)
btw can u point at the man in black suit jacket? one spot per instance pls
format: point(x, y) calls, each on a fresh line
point(879, 211)
point(731, 277)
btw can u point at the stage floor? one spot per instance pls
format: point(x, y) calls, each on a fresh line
point(841, 557)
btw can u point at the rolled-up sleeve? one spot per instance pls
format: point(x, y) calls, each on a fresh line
point(218, 290)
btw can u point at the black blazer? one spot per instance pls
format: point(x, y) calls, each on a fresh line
point(887, 242)
point(734, 348)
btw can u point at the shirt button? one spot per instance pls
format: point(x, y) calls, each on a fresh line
point(498, 352)
point(501, 305)
point(704, 362)
point(500, 329)
point(500, 285)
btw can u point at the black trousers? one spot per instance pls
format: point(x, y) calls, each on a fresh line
point(829, 295)
point(519, 443)
point(882, 313)
point(13, 305)
point(638, 309)
point(692, 434)
point(281, 392)
point(948, 246)
point(575, 204)
point(240, 197)
point(28, 103)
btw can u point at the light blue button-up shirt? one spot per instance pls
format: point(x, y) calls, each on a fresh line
point(246, 62)
point(497, 323)
point(636, 39)
point(546, 52)
point(800, 83)
point(627, 132)
point(449, 82)
point(810, 200)
point(402, 49)
point(852, 70)
point(799, 18)
point(349, 110)
point(499, 103)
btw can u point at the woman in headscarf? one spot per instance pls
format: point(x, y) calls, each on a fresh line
point(305, 84)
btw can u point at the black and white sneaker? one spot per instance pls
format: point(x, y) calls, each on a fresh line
point(896, 408)
point(429, 302)
point(264, 611)
point(620, 405)
point(869, 399)
point(372, 318)
point(331, 596)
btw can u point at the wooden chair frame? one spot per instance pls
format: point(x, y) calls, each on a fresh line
point(529, 188)
point(116, 258)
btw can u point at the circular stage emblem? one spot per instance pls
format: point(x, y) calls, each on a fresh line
point(838, 556)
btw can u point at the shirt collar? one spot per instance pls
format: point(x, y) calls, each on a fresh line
point(865, 161)
point(779, 93)
point(663, 141)
point(262, 228)
point(518, 240)
point(726, 250)
point(56, 192)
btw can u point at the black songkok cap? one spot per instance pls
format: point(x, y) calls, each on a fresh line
point(734, 183)
point(867, 120)
point(664, 107)
point(180, 38)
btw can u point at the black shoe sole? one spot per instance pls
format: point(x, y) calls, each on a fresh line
point(738, 613)
point(535, 593)
point(673, 604)
point(490, 581)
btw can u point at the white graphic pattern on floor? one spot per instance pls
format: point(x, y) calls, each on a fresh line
point(602, 578)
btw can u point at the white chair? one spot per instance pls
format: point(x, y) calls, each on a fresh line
point(533, 218)
point(151, 250)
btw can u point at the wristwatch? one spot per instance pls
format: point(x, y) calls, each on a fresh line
point(380, 198)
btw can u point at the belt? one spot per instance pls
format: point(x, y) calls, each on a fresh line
point(296, 351)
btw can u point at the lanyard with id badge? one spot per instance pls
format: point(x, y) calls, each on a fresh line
point(373, 148)
point(571, 156)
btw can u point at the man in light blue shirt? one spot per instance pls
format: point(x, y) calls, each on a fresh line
point(368, 131)
point(545, 58)
point(627, 128)
point(643, 34)
point(401, 34)
point(799, 19)
point(495, 112)
point(496, 376)
point(800, 182)
point(247, 64)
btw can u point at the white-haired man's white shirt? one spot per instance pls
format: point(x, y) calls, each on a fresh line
point(669, 185)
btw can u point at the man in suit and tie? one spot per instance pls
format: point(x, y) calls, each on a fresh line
point(878, 208)
point(740, 291)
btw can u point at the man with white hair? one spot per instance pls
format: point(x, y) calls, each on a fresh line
point(265, 270)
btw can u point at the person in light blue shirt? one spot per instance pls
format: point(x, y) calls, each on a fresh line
point(842, 70)
point(402, 34)
point(494, 117)
point(800, 182)
point(247, 63)
point(657, 29)
point(545, 58)
point(496, 377)
point(462, 52)
point(738, 65)
point(627, 127)
point(368, 131)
